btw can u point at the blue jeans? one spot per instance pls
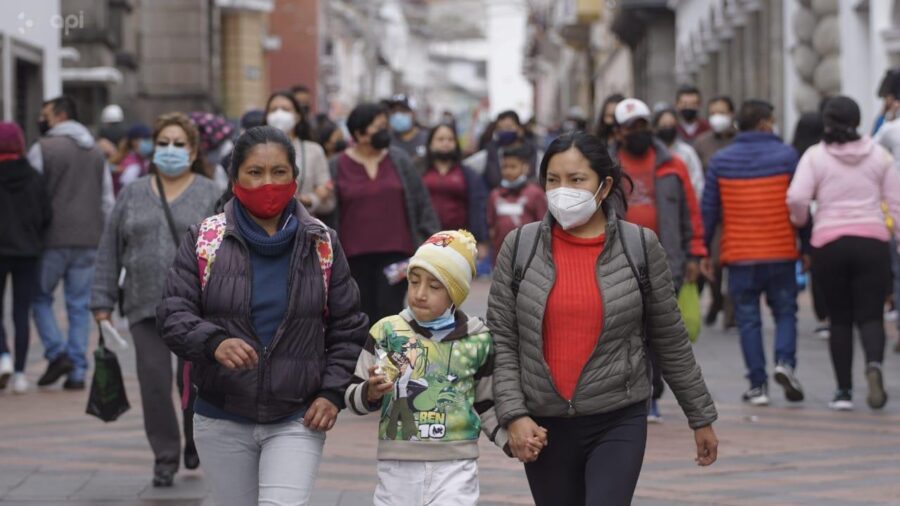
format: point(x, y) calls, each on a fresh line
point(778, 281)
point(75, 267)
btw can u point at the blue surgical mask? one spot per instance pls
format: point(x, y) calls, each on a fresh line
point(145, 148)
point(514, 184)
point(443, 322)
point(401, 122)
point(171, 161)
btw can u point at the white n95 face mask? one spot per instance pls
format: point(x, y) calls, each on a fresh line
point(282, 120)
point(572, 207)
point(720, 122)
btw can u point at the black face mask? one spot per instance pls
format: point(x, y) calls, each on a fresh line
point(445, 156)
point(43, 127)
point(689, 115)
point(381, 139)
point(637, 143)
point(667, 135)
point(340, 146)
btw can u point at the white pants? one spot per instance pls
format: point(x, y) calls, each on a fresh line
point(273, 465)
point(417, 483)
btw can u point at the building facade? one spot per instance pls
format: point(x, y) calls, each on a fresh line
point(29, 59)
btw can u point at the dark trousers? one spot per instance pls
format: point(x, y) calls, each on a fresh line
point(377, 298)
point(852, 271)
point(818, 297)
point(24, 273)
point(154, 371)
point(590, 460)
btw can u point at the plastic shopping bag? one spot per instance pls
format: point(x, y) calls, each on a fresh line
point(689, 304)
point(107, 400)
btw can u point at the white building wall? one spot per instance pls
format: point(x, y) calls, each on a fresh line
point(35, 24)
point(507, 86)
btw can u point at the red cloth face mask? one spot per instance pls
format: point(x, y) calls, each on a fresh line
point(266, 201)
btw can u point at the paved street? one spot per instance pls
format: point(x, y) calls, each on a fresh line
point(51, 453)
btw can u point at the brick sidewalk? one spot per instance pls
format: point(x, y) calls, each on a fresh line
point(51, 453)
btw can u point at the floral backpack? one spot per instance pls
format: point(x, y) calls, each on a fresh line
point(212, 232)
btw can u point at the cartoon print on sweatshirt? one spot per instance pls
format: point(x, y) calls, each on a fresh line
point(428, 401)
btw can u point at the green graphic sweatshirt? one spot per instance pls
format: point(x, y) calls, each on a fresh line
point(442, 397)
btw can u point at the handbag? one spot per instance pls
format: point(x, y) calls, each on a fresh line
point(108, 399)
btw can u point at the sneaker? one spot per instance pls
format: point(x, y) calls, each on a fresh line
point(784, 376)
point(6, 369)
point(653, 416)
point(163, 479)
point(843, 401)
point(20, 383)
point(74, 385)
point(57, 368)
point(757, 396)
point(877, 396)
point(823, 332)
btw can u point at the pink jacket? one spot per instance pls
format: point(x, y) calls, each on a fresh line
point(848, 182)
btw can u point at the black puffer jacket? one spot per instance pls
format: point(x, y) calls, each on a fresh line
point(311, 355)
point(24, 207)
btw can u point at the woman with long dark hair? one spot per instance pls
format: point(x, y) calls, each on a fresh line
point(849, 176)
point(140, 238)
point(261, 301)
point(458, 194)
point(315, 190)
point(573, 334)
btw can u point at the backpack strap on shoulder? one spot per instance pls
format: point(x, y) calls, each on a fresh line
point(524, 249)
point(209, 238)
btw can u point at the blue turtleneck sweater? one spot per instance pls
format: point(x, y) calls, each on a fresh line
point(270, 262)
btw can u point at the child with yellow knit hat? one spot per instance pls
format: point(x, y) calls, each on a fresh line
point(428, 370)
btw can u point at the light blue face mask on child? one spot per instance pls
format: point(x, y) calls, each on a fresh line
point(443, 322)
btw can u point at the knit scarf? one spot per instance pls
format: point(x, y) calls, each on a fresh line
point(258, 240)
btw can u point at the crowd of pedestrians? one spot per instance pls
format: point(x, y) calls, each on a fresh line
point(298, 265)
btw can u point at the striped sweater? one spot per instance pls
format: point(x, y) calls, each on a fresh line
point(442, 397)
point(746, 187)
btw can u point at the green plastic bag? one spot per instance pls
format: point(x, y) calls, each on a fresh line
point(689, 304)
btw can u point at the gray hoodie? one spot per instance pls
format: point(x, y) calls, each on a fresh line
point(83, 138)
point(78, 183)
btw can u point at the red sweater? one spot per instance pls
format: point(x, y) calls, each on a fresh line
point(573, 318)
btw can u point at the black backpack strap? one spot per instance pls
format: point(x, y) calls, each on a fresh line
point(524, 249)
point(635, 246)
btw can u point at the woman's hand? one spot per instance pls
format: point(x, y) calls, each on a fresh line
point(234, 353)
point(707, 446)
point(324, 191)
point(377, 386)
point(708, 269)
point(99, 316)
point(321, 415)
point(526, 439)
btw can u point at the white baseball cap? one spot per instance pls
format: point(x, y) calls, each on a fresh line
point(112, 114)
point(630, 110)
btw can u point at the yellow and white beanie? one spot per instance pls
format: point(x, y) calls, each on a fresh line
point(450, 257)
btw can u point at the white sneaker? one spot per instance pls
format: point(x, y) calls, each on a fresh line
point(6, 369)
point(20, 383)
point(823, 333)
